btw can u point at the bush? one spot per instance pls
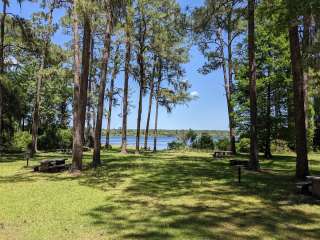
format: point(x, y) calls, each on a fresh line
point(205, 141)
point(55, 138)
point(223, 144)
point(176, 145)
point(244, 145)
point(65, 138)
point(280, 146)
point(21, 141)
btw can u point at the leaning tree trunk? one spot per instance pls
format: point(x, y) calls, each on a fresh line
point(77, 148)
point(116, 63)
point(227, 86)
point(2, 29)
point(86, 52)
point(232, 124)
point(302, 166)
point(146, 134)
point(96, 161)
point(126, 84)
point(254, 162)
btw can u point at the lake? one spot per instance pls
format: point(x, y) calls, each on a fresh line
point(162, 141)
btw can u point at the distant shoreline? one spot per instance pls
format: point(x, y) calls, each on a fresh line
point(170, 133)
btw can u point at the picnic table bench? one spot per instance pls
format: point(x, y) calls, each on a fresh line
point(304, 187)
point(51, 165)
point(218, 154)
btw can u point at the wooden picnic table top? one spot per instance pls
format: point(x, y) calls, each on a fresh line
point(53, 160)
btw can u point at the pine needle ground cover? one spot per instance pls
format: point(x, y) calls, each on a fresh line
point(167, 195)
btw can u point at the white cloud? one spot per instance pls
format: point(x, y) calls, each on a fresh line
point(194, 94)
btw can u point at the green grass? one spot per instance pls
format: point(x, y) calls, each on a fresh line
point(155, 196)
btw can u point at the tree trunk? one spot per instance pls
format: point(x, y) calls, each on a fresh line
point(146, 134)
point(267, 150)
point(232, 124)
point(142, 36)
point(155, 131)
point(306, 69)
point(139, 118)
point(104, 66)
point(63, 113)
point(36, 110)
point(86, 42)
point(35, 115)
point(2, 33)
point(227, 86)
point(116, 63)
point(302, 167)
point(77, 149)
point(89, 131)
point(254, 162)
point(126, 83)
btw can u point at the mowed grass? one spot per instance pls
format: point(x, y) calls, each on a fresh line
point(168, 195)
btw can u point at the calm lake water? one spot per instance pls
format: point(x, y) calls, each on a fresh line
point(162, 142)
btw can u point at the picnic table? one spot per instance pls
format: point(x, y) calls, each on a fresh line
point(218, 154)
point(65, 150)
point(315, 185)
point(51, 165)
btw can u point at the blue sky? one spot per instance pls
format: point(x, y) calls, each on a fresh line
point(209, 111)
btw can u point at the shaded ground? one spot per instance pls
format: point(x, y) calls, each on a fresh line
point(156, 196)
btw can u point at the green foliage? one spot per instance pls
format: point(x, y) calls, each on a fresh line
point(223, 144)
point(280, 146)
point(176, 145)
point(55, 138)
point(243, 146)
point(21, 140)
point(187, 137)
point(205, 141)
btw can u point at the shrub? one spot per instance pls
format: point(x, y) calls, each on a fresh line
point(176, 145)
point(187, 137)
point(55, 138)
point(243, 145)
point(280, 146)
point(223, 144)
point(205, 141)
point(22, 140)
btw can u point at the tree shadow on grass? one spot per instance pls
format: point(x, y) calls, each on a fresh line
point(156, 204)
point(163, 196)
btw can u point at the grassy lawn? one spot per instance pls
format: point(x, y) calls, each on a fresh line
point(156, 196)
